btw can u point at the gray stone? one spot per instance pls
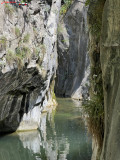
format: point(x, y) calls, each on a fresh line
point(27, 63)
point(104, 35)
point(110, 64)
point(73, 61)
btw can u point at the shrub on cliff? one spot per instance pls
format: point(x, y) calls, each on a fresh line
point(95, 111)
point(65, 6)
point(26, 38)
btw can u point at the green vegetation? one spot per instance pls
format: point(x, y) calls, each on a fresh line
point(53, 96)
point(36, 51)
point(26, 38)
point(95, 107)
point(11, 58)
point(87, 2)
point(95, 111)
point(23, 52)
point(3, 42)
point(95, 17)
point(17, 32)
point(8, 9)
point(52, 90)
point(65, 6)
point(18, 57)
point(40, 49)
point(20, 52)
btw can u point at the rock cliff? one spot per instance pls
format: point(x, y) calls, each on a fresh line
point(73, 62)
point(28, 62)
point(110, 56)
point(104, 22)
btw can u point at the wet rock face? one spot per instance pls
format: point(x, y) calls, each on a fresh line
point(73, 62)
point(28, 62)
point(110, 56)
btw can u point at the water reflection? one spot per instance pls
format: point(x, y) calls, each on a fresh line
point(62, 137)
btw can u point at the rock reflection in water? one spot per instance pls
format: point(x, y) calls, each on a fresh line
point(61, 139)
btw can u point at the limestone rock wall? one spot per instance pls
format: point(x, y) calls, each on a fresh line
point(110, 56)
point(95, 12)
point(73, 62)
point(28, 62)
point(104, 33)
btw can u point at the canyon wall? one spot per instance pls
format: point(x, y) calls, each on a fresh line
point(28, 62)
point(110, 56)
point(73, 62)
point(104, 31)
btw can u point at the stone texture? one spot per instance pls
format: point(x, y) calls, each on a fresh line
point(73, 61)
point(27, 65)
point(96, 85)
point(104, 18)
point(110, 56)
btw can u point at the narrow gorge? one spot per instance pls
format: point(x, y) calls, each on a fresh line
point(59, 79)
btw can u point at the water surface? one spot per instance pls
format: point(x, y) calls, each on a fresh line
point(63, 136)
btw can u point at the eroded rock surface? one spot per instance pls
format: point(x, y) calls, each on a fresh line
point(110, 57)
point(104, 29)
point(73, 62)
point(28, 62)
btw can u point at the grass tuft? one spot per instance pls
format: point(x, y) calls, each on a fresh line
point(23, 52)
point(17, 32)
point(94, 108)
point(26, 38)
point(3, 42)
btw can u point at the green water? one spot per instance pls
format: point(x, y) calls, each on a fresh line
point(63, 136)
